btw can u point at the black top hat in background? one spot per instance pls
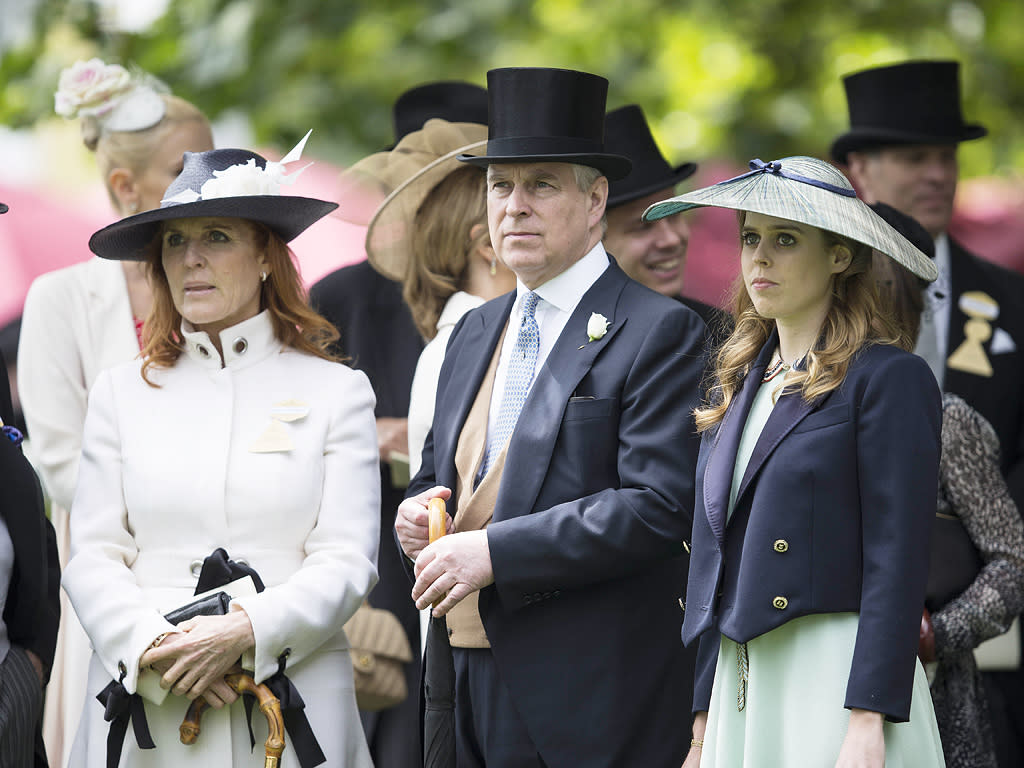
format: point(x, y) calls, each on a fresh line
point(626, 133)
point(540, 115)
point(915, 102)
point(452, 100)
point(287, 216)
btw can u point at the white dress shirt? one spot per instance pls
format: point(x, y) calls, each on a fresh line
point(558, 299)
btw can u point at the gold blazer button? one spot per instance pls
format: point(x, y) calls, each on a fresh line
point(781, 545)
point(780, 602)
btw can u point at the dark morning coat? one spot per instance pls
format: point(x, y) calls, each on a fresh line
point(834, 514)
point(32, 611)
point(587, 537)
point(999, 398)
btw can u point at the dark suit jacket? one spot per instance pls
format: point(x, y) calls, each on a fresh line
point(1000, 399)
point(32, 612)
point(586, 540)
point(834, 514)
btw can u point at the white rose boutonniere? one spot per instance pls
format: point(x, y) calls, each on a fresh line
point(597, 326)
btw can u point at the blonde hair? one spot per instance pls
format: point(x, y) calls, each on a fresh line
point(134, 149)
point(442, 244)
point(295, 324)
point(854, 319)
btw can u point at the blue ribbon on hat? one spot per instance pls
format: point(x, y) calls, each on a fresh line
point(775, 167)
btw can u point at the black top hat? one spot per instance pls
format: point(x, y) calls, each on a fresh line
point(451, 100)
point(243, 194)
point(916, 102)
point(626, 133)
point(540, 115)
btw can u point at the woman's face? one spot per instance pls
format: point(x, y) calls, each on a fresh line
point(213, 269)
point(166, 162)
point(788, 268)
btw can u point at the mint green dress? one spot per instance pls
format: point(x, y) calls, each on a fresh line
point(796, 681)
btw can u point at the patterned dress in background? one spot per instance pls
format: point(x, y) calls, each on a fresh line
point(972, 488)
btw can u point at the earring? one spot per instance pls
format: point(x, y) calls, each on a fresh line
point(263, 277)
point(494, 265)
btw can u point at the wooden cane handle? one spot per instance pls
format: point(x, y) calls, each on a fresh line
point(437, 520)
point(270, 706)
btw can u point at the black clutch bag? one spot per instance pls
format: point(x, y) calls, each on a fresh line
point(955, 562)
point(212, 605)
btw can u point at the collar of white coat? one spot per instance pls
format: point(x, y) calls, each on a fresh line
point(243, 344)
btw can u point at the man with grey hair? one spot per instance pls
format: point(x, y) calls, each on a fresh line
point(561, 441)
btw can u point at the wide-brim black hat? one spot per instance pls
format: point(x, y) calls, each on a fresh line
point(541, 115)
point(915, 102)
point(233, 183)
point(452, 100)
point(626, 132)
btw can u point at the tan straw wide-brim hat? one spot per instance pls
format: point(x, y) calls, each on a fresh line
point(808, 191)
point(417, 164)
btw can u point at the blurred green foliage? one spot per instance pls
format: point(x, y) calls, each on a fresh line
point(718, 78)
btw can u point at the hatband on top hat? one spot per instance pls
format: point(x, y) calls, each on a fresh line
point(452, 100)
point(542, 115)
point(234, 183)
point(626, 132)
point(915, 102)
point(809, 191)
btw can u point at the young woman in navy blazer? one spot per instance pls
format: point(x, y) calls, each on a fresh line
point(815, 491)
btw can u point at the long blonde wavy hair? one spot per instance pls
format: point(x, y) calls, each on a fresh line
point(295, 324)
point(854, 318)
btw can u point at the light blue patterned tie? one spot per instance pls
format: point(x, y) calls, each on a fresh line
point(517, 381)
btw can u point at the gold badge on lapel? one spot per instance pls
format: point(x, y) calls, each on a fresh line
point(275, 438)
point(970, 356)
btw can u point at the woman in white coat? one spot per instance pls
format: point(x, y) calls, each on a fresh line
point(236, 431)
point(87, 317)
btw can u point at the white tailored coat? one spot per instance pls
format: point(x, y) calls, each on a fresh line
point(272, 457)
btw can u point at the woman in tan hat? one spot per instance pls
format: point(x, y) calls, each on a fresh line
point(430, 234)
point(237, 447)
point(84, 318)
point(815, 490)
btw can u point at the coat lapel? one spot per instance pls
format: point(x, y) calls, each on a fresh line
point(533, 441)
point(478, 339)
point(719, 469)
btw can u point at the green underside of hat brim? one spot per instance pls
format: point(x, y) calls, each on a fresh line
point(615, 167)
point(867, 138)
point(287, 216)
point(679, 174)
point(805, 204)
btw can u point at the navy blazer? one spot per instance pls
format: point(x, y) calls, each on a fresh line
point(834, 514)
point(587, 536)
point(999, 398)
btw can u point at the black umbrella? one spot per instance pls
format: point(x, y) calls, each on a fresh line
point(438, 674)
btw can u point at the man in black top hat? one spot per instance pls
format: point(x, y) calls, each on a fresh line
point(901, 149)
point(651, 252)
point(380, 339)
point(560, 441)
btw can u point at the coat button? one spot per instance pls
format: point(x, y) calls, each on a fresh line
point(196, 567)
point(240, 345)
point(780, 602)
point(781, 545)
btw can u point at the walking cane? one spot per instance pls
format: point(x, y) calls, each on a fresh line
point(270, 706)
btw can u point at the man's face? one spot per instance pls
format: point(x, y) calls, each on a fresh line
point(541, 223)
point(651, 252)
point(919, 180)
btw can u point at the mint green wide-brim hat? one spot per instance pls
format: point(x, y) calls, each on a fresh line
point(808, 191)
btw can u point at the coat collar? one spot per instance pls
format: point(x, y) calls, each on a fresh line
point(786, 414)
point(243, 344)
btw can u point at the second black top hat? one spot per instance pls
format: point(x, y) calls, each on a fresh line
point(626, 132)
point(540, 115)
point(915, 102)
point(451, 100)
